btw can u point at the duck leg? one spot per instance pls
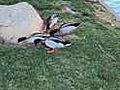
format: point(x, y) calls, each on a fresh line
point(56, 50)
point(37, 42)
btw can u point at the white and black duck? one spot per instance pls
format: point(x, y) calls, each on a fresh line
point(53, 43)
point(65, 29)
point(33, 37)
point(51, 21)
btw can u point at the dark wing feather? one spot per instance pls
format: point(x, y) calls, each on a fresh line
point(48, 22)
point(69, 24)
point(21, 39)
point(57, 40)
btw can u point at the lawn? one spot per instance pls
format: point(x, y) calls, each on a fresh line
point(91, 63)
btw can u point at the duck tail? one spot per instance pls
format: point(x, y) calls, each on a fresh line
point(21, 39)
point(67, 43)
point(76, 24)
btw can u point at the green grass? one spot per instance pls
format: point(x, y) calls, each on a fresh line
point(91, 63)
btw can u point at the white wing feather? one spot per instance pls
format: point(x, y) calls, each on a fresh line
point(52, 44)
point(67, 29)
point(31, 40)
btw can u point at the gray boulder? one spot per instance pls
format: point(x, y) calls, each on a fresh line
point(18, 20)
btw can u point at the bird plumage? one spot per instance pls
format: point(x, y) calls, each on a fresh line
point(33, 37)
point(66, 28)
point(21, 39)
point(52, 20)
point(54, 42)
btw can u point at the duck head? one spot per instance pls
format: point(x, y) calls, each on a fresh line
point(21, 39)
point(52, 20)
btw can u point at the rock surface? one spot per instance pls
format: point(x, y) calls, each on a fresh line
point(104, 12)
point(18, 20)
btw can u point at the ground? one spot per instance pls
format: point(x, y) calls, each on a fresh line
point(91, 63)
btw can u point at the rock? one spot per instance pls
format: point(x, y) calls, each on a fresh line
point(103, 13)
point(68, 9)
point(18, 20)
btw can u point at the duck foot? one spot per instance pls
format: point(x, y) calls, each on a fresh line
point(52, 50)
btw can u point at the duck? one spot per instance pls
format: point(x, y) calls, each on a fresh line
point(53, 44)
point(65, 29)
point(33, 37)
point(51, 21)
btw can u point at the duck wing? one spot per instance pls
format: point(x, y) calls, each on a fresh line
point(66, 28)
point(39, 35)
point(56, 43)
point(32, 39)
point(69, 24)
